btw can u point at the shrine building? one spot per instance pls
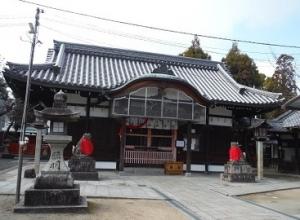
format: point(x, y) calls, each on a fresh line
point(143, 109)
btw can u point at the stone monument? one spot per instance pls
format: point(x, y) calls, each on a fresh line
point(237, 169)
point(81, 165)
point(54, 189)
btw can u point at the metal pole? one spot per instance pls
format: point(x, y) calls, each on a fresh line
point(22, 141)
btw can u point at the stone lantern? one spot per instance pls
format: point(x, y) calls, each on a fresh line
point(58, 115)
point(260, 135)
point(54, 189)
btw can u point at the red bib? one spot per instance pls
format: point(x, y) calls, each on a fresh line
point(86, 146)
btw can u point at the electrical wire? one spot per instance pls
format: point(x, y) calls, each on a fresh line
point(8, 25)
point(153, 40)
point(138, 37)
point(162, 29)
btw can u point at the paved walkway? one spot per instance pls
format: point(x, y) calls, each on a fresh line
point(199, 196)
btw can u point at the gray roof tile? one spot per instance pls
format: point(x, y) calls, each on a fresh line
point(96, 68)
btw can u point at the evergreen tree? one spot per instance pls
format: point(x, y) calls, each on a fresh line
point(243, 68)
point(284, 77)
point(6, 102)
point(195, 51)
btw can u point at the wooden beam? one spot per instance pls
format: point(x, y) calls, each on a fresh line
point(174, 138)
point(207, 141)
point(87, 114)
point(122, 143)
point(188, 148)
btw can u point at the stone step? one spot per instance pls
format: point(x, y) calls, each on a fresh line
point(143, 171)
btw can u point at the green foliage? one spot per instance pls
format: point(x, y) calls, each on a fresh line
point(7, 102)
point(3, 89)
point(243, 68)
point(195, 51)
point(283, 80)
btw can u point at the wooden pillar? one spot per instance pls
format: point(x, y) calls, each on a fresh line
point(174, 138)
point(207, 140)
point(188, 148)
point(279, 152)
point(122, 143)
point(87, 114)
point(297, 152)
point(149, 137)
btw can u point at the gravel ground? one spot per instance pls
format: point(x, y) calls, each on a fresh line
point(285, 201)
point(104, 209)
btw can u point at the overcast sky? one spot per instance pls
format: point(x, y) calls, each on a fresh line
point(274, 21)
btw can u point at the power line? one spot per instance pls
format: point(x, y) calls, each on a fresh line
point(137, 37)
point(80, 39)
point(121, 34)
point(8, 25)
point(161, 29)
point(140, 37)
point(4, 17)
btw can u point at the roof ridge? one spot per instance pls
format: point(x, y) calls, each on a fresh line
point(127, 53)
point(281, 116)
point(13, 65)
point(35, 64)
point(250, 89)
point(229, 77)
point(263, 92)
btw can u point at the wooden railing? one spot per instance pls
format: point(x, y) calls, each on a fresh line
point(147, 157)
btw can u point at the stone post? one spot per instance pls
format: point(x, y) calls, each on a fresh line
point(260, 159)
point(58, 144)
point(37, 154)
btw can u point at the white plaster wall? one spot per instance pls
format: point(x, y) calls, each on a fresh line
point(94, 111)
point(220, 111)
point(75, 98)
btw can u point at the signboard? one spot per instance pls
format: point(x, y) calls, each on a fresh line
point(220, 121)
point(166, 124)
point(180, 144)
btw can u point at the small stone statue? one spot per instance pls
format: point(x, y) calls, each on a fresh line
point(81, 165)
point(84, 146)
point(237, 169)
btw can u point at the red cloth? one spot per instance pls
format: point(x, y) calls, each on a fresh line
point(86, 146)
point(235, 153)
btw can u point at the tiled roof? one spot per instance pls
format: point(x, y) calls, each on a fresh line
point(283, 121)
point(293, 121)
point(293, 103)
point(94, 68)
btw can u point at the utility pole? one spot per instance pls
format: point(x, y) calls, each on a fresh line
point(22, 139)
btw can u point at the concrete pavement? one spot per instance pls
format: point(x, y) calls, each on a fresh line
point(199, 196)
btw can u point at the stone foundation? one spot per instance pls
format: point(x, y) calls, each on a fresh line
point(54, 181)
point(83, 168)
point(50, 197)
point(52, 191)
point(238, 171)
